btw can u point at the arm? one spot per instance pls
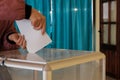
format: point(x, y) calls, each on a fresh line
point(12, 39)
point(14, 9)
point(17, 9)
point(9, 29)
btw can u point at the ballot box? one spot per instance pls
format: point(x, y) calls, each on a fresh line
point(55, 64)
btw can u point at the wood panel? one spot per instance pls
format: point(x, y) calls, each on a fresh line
point(118, 41)
point(110, 61)
point(112, 52)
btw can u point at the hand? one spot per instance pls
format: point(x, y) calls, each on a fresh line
point(18, 39)
point(38, 21)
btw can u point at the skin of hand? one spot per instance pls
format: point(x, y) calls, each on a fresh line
point(18, 39)
point(38, 20)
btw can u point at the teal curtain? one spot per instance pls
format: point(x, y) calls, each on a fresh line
point(69, 22)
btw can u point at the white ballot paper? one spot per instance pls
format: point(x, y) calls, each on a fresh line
point(35, 40)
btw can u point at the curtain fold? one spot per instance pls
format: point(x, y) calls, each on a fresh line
point(69, 22)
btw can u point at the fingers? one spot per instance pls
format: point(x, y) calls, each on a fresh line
point(43, 28)
point(21, 41)
point(24, 44)
point(39, 23)
point(35, 21)
point(38, 20)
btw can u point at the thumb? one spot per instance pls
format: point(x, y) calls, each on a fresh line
point(15, 37)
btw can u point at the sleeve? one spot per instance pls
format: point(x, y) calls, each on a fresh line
point(7, 44)
point(14, 10)
point(28, 10)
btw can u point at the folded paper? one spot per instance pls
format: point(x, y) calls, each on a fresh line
point(35, 39)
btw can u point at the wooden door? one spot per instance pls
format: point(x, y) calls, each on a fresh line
point(109, 36)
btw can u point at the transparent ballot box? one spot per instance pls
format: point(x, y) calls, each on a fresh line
point(55, 64)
